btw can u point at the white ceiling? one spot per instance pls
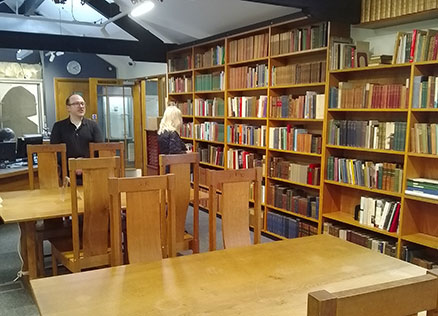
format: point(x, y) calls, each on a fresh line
point(173, 21)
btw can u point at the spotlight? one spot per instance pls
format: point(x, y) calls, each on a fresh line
point(142, 8)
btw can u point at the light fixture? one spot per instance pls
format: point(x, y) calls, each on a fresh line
point(53, 54)
point(23, 53)
point(142, 8)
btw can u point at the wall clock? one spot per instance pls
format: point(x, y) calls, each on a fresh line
point(74, 67)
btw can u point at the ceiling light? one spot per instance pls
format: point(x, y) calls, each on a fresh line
point(23, 53)
point(142, 8)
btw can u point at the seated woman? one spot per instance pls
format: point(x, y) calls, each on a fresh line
point(169, 141)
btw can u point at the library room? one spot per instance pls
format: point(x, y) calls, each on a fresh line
point(233, 157)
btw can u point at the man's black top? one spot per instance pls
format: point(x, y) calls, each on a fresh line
point(76, 140)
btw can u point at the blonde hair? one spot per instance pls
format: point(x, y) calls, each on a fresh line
point(171, 121)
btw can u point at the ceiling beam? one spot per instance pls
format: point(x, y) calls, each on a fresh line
point(77, 44)
point(324, 10)
point(28, 7)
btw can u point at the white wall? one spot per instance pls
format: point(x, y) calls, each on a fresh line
point(129, 69)
point(382, 40)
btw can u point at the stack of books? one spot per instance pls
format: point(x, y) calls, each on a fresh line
point(422, 187)
point(376, 60)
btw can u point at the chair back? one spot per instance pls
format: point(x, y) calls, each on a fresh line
point(398, 298)
point(95, 174)
point(150, 236)
point(110, 150)
point(234, 206)
point(48, 170)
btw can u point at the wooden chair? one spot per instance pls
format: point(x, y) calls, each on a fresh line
point(179, 165)
point(110, 150)
point(234, 206)
point(91, 247)
point(397, 298)
point(49, 177)
point(150, 235)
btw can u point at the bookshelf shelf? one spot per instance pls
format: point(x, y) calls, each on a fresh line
point(422, 239)
point(186, 138)
point(423, 155)
point(368, 110)
point(301, 52)
point(425, 110)
point(209, 141)
point(187, 116)
point(211, 165)
point(209, 68)
point(249, 61)
point(293, 213)
point(209, 117)
point(359, 187)
point(238, 118)
point(420, 199)
point(180, 72)
point(380, 151)
point(274, 235)
point(181, 93)
point(311, 186)
point(371, 68)
point(248, 89)
point(246, 146)
point(300, 85)
point(208, 91)
point(281, 119)
point(348, 219)
point(294, 152)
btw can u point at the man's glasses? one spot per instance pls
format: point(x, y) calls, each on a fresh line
point(77, 104)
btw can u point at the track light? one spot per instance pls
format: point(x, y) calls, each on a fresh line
point(23, 53)
point(142, 8)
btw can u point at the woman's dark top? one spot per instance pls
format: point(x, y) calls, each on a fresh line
point(171, 143)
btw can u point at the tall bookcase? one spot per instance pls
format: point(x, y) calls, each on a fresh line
point(255, 68)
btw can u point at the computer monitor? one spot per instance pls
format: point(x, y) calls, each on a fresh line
point(7, 151)
point(22, 143)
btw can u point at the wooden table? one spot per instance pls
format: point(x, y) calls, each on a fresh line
point(28, 206)
point(266, 279)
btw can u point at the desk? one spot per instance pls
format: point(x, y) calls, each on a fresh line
point(264, 279)
point(12, 179)
point(28, 206)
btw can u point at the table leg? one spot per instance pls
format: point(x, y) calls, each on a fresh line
point(30, 233)
point(23, 246)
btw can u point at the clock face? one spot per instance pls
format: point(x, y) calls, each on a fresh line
point(74, 67)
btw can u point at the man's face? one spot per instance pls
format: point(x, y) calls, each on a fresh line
point(76, 106)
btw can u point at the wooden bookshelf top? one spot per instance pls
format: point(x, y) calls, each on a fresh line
point(423, 155)
point(208, 91)
point(348, 219)
point(424, 110)
point(292, 213)
point(209, 117)
point(403, 19)
point(180, 72)
point(420, 199)
point(422, 239)
point(302, 52)
point(248, 89)
point(246, 146)
point(363, 188)
point(282, 119)
point(246, 118)
point(180, 93)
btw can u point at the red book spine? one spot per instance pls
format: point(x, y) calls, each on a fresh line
point(414, 40)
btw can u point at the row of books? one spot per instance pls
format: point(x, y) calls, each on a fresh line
point(244, 134)
point(246, 77)
point(211, 131)
point(186, 107)
point(247, 106)
point(416, 46)
point(309, 37)
point(377, 175)
point(368, 134)
point(187, 130)
point(211, 57)
point(424, 138)
point(299, 73)
point(179, 63)
point(243, 159)
point(425, 92)
point(294, 171)
point(208, 82)
point(289, 227)
point(379, 213)
point(251, 47)
point(293, 200)
point(309, 106)
point(344, 53)
point(419, 255)
point(422, 187)
point(365, 239)
point(179, 84)
point(209, 107)
point(349, 95)
point(211, 154)
point(294, 138)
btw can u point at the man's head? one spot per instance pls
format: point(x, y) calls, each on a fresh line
point(75, 106)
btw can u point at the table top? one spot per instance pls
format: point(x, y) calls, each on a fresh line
point(266, 279)
point(33, 205)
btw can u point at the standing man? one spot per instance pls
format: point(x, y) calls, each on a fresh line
point(76, 131)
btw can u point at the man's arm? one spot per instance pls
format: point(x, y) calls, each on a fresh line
point(97, 134)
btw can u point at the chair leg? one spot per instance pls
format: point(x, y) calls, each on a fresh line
point(54, 263)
